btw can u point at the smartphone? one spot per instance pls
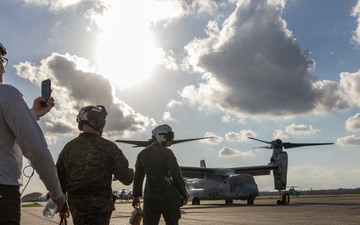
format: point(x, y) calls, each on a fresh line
point(45, 91)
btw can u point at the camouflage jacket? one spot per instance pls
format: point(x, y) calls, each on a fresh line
point(85, 167)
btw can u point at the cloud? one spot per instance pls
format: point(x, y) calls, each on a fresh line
point(205, 94)
point(294, 129)
point(240, 137)
point(280, 134)
point(230, 118)
point(253, 67)
point(214, 141)
point(179, 9)
point(174, 103)
point(227, 119)
point(301, 129)
point(352, 140)
point(230, 152)
point(333, 96)
point(75, 85)
point(54, 5)
point(338, 96)
point(257, 61)
point(167, 117)
point(353, 123)
point(350, 84)
point(356, 13)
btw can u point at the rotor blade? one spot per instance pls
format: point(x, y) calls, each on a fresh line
point(150, 141)
point(136, 143)
point(186, 140)
point(268, 146)
point(295, 145)
point(267, 142)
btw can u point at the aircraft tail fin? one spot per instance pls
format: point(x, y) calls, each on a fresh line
point(202, 163)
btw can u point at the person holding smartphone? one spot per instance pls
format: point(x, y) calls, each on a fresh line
point(22, 136)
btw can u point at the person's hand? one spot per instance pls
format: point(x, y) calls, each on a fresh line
point(42, 110)
point(47, 196)
point(185, 201)
point(64, 215)
point(131, 171)
point(136, 202)
point(60, 202)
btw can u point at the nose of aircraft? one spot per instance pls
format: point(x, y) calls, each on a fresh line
point(246, 190)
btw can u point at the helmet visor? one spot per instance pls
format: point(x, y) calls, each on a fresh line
point(168, 136)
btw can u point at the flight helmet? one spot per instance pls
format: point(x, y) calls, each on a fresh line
point(2, 50)
point(162, 133)
point(94, 114)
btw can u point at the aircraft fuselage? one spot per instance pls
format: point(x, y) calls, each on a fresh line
point(237, 186)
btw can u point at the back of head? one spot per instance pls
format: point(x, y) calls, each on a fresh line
point(2, 50)
point(162, 133)
point(94, 116)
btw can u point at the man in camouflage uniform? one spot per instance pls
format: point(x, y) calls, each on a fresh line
point(85, 167)
point(164, 191)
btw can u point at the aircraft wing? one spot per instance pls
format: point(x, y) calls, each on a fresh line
point(256, 170)
point(196, 172)
point(201, 172)
point(150, 141)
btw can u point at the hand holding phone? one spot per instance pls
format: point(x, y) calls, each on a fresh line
point(45, 91)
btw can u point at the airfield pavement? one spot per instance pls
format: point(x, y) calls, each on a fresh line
point(309, 211)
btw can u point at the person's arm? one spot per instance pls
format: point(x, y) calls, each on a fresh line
point(139, 176)
point(64, 212)
point(121, 169)
point(61, 171)
point(32, 142)
point(176, 175)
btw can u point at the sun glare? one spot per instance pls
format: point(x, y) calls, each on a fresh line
point(126, 53)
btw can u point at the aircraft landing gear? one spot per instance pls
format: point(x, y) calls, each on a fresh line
point(251, 200)
point(228, 201)
point(285, 199)
point(196, 201)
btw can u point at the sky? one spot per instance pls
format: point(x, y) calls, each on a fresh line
point(228, 69)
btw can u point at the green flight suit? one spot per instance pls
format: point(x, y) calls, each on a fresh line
point(161, 168)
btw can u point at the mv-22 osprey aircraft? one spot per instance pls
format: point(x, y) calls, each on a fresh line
point(238, 182)
point(235, 182)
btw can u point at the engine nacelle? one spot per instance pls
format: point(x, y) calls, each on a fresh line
point(280, 175)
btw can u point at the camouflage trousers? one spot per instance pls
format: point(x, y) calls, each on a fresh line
point(93, 218)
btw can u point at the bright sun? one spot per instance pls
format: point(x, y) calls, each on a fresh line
point(125, 53)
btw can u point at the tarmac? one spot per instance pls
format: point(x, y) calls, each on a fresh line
point(300, 211)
